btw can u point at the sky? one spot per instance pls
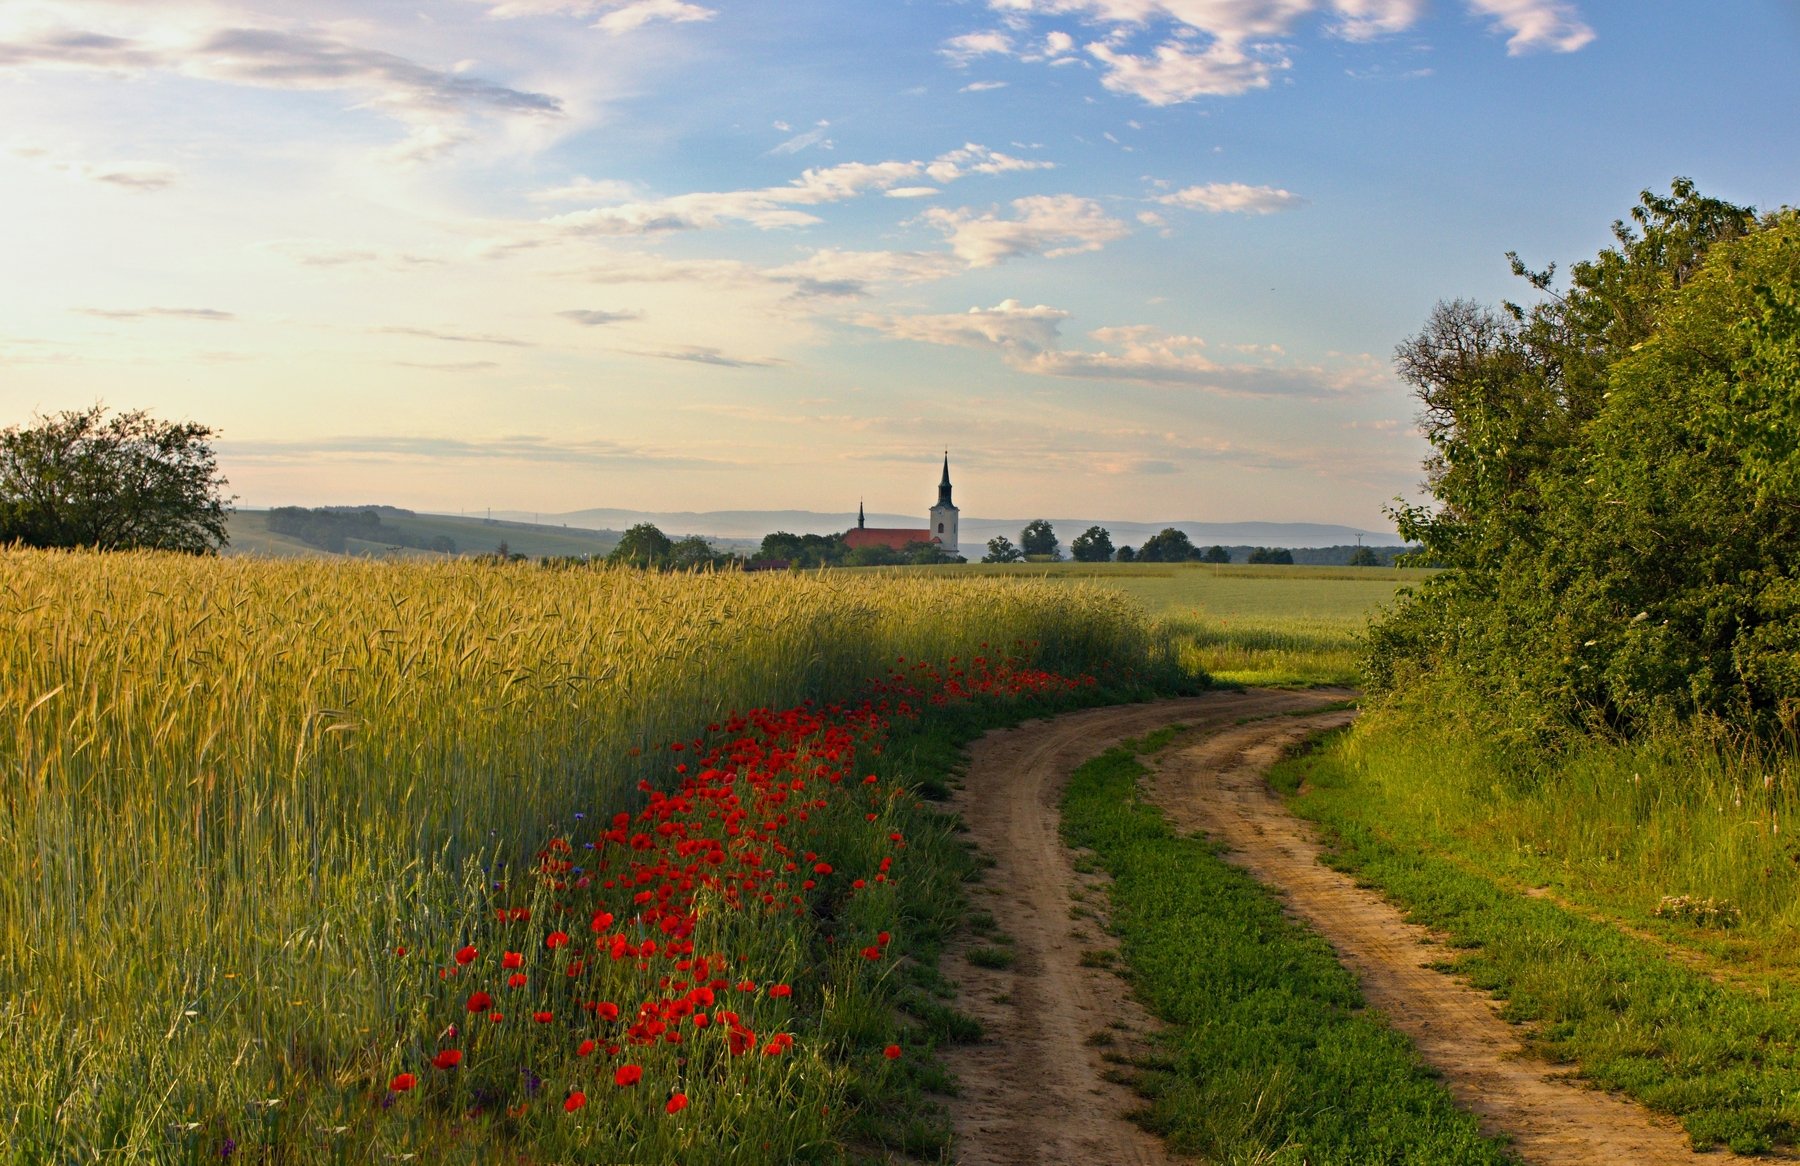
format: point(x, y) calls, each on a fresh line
point(1140, 259)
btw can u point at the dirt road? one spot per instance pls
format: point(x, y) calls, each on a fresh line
point(1036, 1090)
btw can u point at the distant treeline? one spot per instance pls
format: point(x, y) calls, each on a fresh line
point(330, 528)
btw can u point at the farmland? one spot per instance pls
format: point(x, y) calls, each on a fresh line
point(254, 809)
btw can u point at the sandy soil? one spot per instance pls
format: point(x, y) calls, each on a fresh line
point(1036, 1089)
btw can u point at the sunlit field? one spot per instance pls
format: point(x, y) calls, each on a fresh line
point(1267, 625)
point(258, 817)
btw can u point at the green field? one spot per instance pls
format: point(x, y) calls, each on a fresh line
point(250, 535)
point(1264, 625)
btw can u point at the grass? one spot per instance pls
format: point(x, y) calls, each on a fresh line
point(1271, 626)
point(1697, 1021)
point(1270, 1058)
point(231, 787)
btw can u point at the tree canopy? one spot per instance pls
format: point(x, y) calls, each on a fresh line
point(1615, 474)
point(1168, 545)
point(642, 546)
point(1093, 545)
point(83, 479)
point(1000, 549)
point(1039, 538)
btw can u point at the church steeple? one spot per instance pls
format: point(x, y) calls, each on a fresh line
point(943, 515)
point(859, 515)
point(944, 485)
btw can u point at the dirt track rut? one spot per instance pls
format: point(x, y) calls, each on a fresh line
point(1035, 1091)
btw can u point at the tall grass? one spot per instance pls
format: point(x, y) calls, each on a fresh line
point(1271, 651)
point(227, 788)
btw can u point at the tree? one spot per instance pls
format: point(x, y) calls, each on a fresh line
point(1001, 550)
point(82, 479)
point(1271, 555)
point(1215, 554)
point(642, 546)
point(1167, 546)
point(1127, 555)
point(1039, 538)
point(692, 553)
point(1364, 557)
point(1093, 545)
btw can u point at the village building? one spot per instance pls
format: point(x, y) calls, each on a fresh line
point(941, 528)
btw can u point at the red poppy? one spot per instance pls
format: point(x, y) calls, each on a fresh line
point(892, 1052)
point(512, 959)
point(574, 1101)
point(586, 1048)
point(543, 1017)
point(677, 1103)
point(741, 1040)
point(466, 955)
point(448, 1059)
point(779, 990)
point(556, 939)
point(607, 1010)
point(479, 1002)
point(516, 980)
point(871, 952)
point(627, 1075)
point(403, 1082)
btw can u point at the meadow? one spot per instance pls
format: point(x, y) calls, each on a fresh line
point(273, 830)
point(1280, 626)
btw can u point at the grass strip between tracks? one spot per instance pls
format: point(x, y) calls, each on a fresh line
point(1269, 1057)
point(1724, 1060)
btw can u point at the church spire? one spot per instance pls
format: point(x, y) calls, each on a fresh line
point(944, 485)
point(859, 514)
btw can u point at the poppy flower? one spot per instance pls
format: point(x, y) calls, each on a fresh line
point(871, 952)
point(512, 959)
point(574, 1101)
point(586, 1048)
point(479, 1002)
point(543, 1017)
point(892, 1052)
point(607, 1010)
point(556, 939)
point(677, 1103)
point(466, 956)
point(516, 980)
point(403, 1082)
point(448, 1058)
point(626, 1075)
point(779, 990)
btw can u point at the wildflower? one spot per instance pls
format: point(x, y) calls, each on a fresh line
point(574, 1101)
point(402, 1082)
point(892, 1052)
point(871, 952)
point(626, 1075)
point(516, 980)
point(512, 959)
point(586, 1048)
point(556, 939)
point(448, 1058)
point(779, 990)
point(466, 956)
point(677, 1103)
point(543, 1017)
point(479, 1002)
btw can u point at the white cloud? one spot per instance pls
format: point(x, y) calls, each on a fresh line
point(137, 177)
point(1058, 43)
point(963, 49)
point(981, 86)
point(817, 136)
point(1362, 20)
point(615, 16)
point(1234, 198)
point(832, 273)
point(435, 104)
point(1019, 331)
point(587, 190)
point(1053, 225)
point(913, 192)
point(1174, 73)
point(1029, 340)
point(1537, 25)
point(629, 17)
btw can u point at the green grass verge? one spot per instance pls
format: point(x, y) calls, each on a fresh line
point(1723, 1059)
point(1271, 1058)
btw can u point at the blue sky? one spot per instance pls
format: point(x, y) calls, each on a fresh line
point(1143, 259)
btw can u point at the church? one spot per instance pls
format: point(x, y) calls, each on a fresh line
point(942, 528)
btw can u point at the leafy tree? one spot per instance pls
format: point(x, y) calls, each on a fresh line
point(1266, 555)
point(1215, 554)
point(1039, 538)
point(693, 553)
point(1167, 546)
point(1616, 482)
point(1001, 550)
point(804, 550)
point(1127, 555)
point(82, 479)
point(1093, 545)
point(642, 546)
point(1364, 557)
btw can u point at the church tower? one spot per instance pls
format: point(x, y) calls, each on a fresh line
point(943, 515)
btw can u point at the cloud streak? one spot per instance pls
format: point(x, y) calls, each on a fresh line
point(1234, 198)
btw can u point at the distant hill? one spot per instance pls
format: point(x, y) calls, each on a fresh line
point(753, 524)
point(400, 533)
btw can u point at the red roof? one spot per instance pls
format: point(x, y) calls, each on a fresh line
point(891, 537)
